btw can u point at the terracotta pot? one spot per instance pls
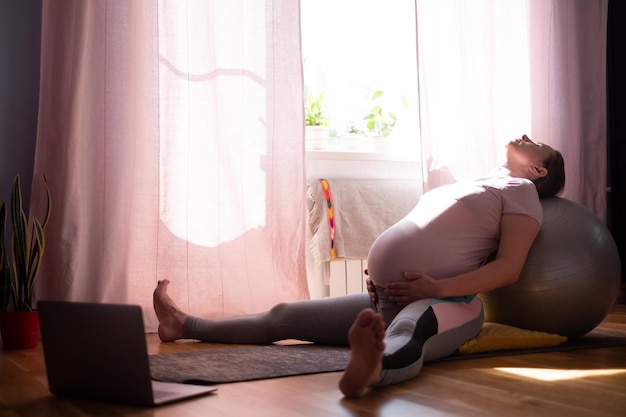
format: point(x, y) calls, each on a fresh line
point(20, 330)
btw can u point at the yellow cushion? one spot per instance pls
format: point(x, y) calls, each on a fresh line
point(496, 336)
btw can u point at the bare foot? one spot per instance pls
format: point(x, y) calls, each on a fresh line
point(171, 318)
point(366, 338)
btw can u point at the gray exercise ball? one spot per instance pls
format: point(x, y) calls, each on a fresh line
point(571, 278)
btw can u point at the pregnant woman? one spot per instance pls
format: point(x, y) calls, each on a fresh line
point(424, 274)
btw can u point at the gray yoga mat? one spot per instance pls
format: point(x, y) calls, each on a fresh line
point(216, 366)
point(247, 363)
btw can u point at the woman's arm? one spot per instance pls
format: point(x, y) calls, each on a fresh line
point(517, 234)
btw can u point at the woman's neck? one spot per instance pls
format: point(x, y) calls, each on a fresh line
point(502, 171)
point(507, 170)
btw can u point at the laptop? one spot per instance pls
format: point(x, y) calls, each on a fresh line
point(98, 351)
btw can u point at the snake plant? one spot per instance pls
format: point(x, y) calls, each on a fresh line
point(17, 278)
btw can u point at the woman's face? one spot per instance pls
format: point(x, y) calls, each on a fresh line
point(526, 154)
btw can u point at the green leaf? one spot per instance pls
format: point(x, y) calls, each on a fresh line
point(35, 262)
point(48, 203)
point(377, 94)
point(19, 243)
point(405, 102)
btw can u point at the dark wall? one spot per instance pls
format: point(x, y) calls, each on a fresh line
point(616, 127)
point(20, 46)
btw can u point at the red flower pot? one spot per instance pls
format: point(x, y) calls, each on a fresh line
point(20, 330)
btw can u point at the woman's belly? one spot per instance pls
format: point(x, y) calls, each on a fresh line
point(438, 252)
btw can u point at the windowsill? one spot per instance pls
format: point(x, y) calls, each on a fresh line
point(361, 155)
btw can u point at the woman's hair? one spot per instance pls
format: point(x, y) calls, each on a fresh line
point(552, 184)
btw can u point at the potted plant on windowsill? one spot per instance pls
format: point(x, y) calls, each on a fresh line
point(19, 265)
point(379, 122)
point(317, 131)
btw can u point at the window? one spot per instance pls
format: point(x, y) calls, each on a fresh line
point(353, 49)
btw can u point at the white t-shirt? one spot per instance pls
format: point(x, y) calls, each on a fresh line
point(452, 229)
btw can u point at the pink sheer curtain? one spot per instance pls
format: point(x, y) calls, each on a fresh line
point(492, 70)
point(171, 135)
point(568, 62)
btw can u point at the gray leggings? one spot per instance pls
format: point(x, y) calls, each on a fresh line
point(413, 336)
point(324, 321)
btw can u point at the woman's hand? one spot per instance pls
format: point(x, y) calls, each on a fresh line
point(416, 287)
point(371, 290)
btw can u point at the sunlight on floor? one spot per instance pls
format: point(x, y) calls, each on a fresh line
point(559, 374)
point(400, 407)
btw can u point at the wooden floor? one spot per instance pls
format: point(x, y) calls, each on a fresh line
point(576, 383)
